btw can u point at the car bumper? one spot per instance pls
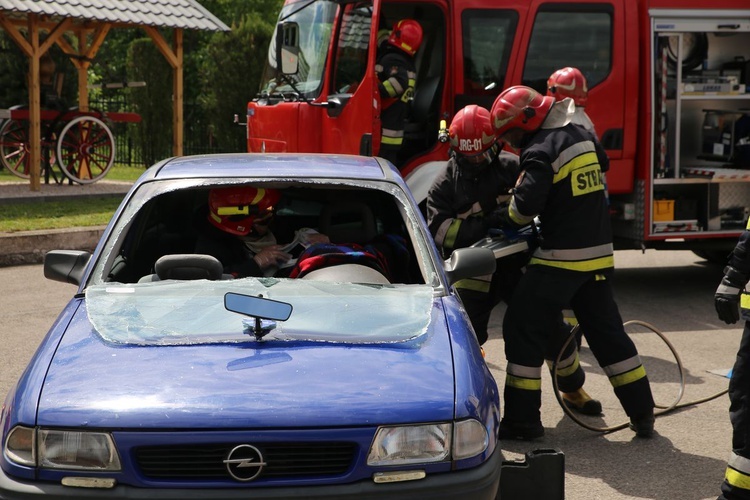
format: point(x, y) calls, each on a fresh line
point(477, 483)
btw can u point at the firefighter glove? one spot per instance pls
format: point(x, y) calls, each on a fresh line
point(488, 205)
point(497, 218)
point(727, 296)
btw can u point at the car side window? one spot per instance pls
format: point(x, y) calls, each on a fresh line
point(565, 35)
point(351, 54)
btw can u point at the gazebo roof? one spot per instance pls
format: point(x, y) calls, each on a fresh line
point(183, 14)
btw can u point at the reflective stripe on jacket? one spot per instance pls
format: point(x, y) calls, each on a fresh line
point(562, 183)
point(398, 78)
point(740, 260)
point(461, 196)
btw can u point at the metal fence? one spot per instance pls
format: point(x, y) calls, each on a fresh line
point(197, 133)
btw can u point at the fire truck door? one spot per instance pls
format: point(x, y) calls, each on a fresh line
point(351, 124)
point(591, 37)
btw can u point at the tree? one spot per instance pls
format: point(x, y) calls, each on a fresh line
point(231, 76)
point(153, 102)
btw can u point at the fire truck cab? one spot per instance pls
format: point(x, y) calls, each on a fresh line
point(668, 94)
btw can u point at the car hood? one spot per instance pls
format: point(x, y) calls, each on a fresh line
point(286, 382)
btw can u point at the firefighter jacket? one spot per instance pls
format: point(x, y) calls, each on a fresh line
point(463, 195)
point(398, 77)
point(561, 182)
point(740, 260)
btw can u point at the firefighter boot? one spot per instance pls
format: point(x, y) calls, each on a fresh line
point(643, 425)
point(522, 431)
point(581, 402)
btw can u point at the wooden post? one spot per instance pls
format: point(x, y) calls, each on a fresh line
point(174, 58)
point(82, 70)
point(35, 106)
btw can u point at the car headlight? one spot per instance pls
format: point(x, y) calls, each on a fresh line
point(414, 444)
point(410, 444)
point(20, 446)
point(62, 449)
point(77, 450)
point(470, 438)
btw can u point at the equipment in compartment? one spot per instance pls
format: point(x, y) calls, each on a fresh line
point(741, 153)
point(694, 50)
point(677, 226)
point(720, 135)
point(739, 68)
point(663, 210)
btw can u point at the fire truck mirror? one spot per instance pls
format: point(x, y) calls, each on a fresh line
point(287, 45)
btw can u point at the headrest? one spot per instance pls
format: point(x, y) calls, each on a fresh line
point(348, 222)
point(188, 267)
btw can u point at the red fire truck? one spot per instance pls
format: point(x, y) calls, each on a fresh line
point(668, 94)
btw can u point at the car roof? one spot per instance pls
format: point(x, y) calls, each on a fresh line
point(284, 166)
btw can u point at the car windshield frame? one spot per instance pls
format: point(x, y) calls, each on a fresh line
point(316, 22)
point(114, 237)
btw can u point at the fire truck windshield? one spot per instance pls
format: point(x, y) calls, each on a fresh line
point(315, 21)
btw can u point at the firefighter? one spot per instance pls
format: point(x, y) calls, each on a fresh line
point(560, 182)
point(564, 83)
point(398, 77)
point(570, 82)
point(479, 178)
point(732, 301)
point(239, 233)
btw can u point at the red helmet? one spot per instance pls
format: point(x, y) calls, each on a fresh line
point(406, 35)
point(471, 134)
point(521, 108)
point(568, 82)
point(234, 209)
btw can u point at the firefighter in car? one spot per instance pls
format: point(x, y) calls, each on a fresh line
point(397, 78)
point(478, 179)
point(561, 184)
point(240, 235)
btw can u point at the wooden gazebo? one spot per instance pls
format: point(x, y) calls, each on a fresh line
point(79, 27)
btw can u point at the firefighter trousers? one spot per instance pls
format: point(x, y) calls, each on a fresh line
point(533, 313)
point(479, 303)
point(736, 483)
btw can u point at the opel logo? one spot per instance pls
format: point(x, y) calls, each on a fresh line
point(244, 462)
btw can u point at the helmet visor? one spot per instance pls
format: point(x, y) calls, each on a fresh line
point(478, 158)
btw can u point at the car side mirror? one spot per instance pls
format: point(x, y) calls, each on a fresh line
point(287, 48)
point(66, 266)
point(468, 263)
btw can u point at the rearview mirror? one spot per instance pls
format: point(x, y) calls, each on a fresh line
point(257, 307)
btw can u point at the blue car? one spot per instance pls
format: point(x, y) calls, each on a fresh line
point(166, 376)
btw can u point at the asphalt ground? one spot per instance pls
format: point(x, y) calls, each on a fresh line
point(671, 291)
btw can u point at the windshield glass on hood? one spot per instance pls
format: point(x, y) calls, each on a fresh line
point(193, 312)
point(315, 21)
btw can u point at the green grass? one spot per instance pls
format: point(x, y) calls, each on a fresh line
point(116, 173)
point(84, 212)
point(95, 211)
point(124, 173)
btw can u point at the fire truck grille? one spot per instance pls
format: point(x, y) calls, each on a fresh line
point(207, 461)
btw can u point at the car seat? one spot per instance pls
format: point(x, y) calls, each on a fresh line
point(186, 267)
